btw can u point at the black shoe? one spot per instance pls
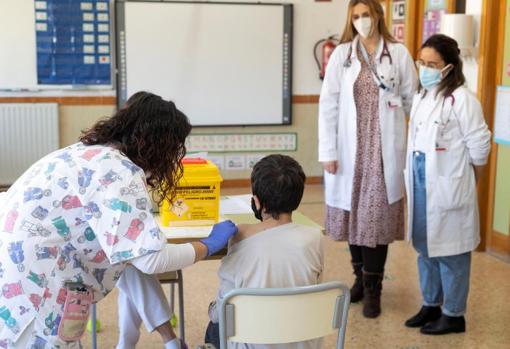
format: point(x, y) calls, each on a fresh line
point(425, 315)
point(372, 286)
point(444, 325)
point(357, 287)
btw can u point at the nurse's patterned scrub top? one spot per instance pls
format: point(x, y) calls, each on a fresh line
point(78, 215)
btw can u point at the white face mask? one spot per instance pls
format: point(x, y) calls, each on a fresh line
point(363, 25)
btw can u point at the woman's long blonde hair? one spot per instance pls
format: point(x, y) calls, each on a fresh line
point(376, 12)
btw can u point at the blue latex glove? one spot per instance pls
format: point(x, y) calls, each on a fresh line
point(219, 237)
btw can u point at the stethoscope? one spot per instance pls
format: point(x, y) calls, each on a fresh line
point(384, 53)
point(440, 122)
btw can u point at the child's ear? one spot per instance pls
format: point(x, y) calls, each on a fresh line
point(257, 202)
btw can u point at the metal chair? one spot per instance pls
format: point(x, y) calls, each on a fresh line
point(284, 315)
point(172, 278)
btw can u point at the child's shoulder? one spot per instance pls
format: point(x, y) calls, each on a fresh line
point(245, 231)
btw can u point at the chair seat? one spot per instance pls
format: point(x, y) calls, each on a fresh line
point(168, 277)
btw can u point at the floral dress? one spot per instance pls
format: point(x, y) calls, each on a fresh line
point(371, 221)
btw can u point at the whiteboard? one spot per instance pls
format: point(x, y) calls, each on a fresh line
point(221, 63)
point(17, 44)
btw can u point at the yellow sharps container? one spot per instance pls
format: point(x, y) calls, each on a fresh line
point(197, 201)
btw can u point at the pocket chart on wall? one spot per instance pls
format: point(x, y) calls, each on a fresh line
point(73, 42)
point(502, 117)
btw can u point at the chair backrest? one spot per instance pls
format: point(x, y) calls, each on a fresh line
point(284, 315)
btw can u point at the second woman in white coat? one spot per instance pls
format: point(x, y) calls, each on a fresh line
point(368, 88)
point(448, 145)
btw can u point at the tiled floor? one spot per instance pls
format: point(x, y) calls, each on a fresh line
point(488, 318)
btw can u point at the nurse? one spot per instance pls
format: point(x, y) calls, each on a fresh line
point(368, 89)
point(78, 217)
point(448, 146)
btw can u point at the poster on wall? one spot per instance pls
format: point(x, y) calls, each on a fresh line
point(398, 31)
point(502, 116)
point(398, 17)
point(399, 10)
point(431, 23)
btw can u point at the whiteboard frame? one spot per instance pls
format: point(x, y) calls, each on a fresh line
point(287, 43)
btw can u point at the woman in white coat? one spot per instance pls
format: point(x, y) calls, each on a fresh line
point(448, 145)
point(368, 88)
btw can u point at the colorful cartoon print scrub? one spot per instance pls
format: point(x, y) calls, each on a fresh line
point(77, 215)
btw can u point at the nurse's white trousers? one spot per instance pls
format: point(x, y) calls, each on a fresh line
point(141, 299)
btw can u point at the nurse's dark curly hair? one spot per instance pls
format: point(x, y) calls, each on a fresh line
point(151, 132)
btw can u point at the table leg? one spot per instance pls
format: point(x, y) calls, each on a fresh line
point(94, 333)
point(181, 304)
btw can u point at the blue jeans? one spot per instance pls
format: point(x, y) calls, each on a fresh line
point(443, 280)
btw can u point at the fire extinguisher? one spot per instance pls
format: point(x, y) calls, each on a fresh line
point(324, 48)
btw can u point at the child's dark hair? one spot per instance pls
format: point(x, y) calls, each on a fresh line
point(151, 132)
point(278, 181)
point(449, 51)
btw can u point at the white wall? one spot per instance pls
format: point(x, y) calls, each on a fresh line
point(312, 22)
point(474, 8)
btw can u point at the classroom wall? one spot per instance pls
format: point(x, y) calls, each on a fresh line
point(75, 118)
point(501, 218)
point(307, 15)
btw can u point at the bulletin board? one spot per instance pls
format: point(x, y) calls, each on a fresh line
point(55, 44)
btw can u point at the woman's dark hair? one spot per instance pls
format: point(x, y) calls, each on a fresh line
point(151, 132)
point(278, 181)
point(449, 51)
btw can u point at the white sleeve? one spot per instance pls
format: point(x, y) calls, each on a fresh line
point(477, 136)
point(408, 80)
point(170, 258)
point(329, 109)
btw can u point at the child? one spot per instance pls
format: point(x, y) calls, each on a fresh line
point(275, 252)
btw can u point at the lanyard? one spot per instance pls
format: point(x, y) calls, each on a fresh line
point(384, 53)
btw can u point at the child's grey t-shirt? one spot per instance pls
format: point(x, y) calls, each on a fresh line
point(290, 255)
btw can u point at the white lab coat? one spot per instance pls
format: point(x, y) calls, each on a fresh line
point(452, 150)
point(338, 115)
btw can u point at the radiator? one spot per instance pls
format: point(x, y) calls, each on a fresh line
point(28, 131)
